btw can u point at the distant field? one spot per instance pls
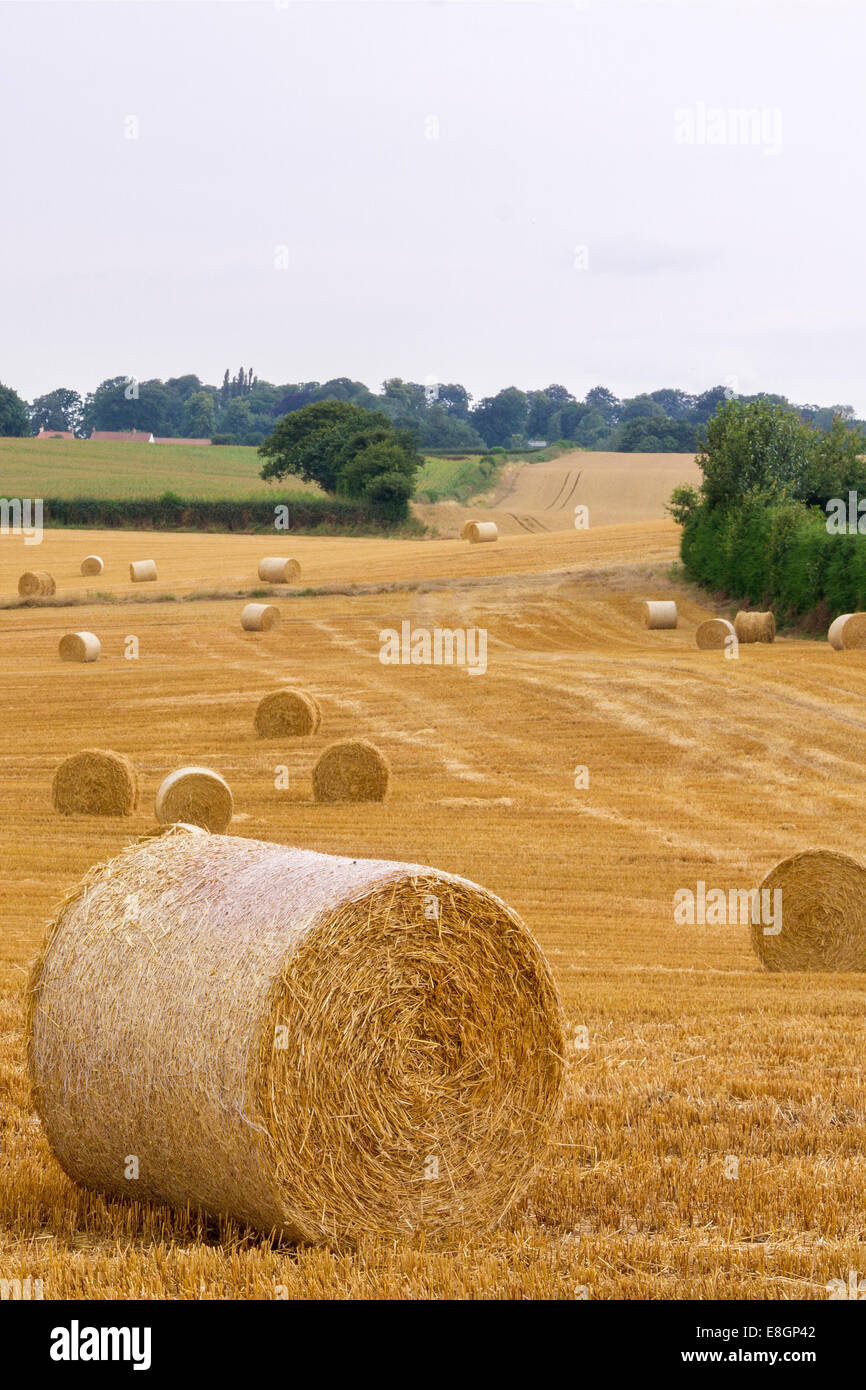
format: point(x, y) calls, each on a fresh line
point(79, 468)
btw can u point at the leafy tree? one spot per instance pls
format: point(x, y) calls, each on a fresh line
point(753, 445)
point(332, 443)
point(497, 418)
point(685, 500)
point(60, 409)
point(198, 421)
point(14, 420)
point(605, 402)
point(441, 430)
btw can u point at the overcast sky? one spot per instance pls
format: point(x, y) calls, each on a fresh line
point(494, 193)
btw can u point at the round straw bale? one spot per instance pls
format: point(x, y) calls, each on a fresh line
point(755, 627)
point(96, 782)
point(36, 584)
point(259, 617)
point(464, 530)
point(482, 531)
point(142, 571)
point(714, 634)
point(196, 796)
point(823, 914)
point(80, 646)
point(660, 613)
point(351, 771)
point(92, 564)
point(276, 570)
point(835, 630)
point(848, 632)
point(287, 714)
point(320, 1047)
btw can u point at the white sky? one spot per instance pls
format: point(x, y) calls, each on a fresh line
point(307, 125)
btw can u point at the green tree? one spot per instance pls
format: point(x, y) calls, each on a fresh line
point(497, 418)
point(333, 443)
point(198, 420)
point(13, 413)
point(754, 446)
point(60, 409)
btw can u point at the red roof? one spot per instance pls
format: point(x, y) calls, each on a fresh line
point(159, 439)
point(53, 434)
point(123, 436)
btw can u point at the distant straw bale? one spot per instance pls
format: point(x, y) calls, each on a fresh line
point(478, 531)
point(36, 584)
point(92, 564)
point(755, 627)
point(276, 570)
point(660, 613)
point(353, 770)
point(322, 1048)
point(196, 796)
point(715, 634)
point(96, 782)
point(80, 646)
point(142, 571)
point(823, 914)
point(259, 617)
point(287, 714)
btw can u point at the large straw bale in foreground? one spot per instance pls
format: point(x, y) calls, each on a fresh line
point(142, 571)
point(755, 627)
point(660, 613)
point(823, 914)
point(318, 1046)
point(353, 770)
point(80, 646)
point(36, 584)
point(198, 796)
point(96, 782)
point(478, 531)
point(259, 617)
point(287, 714)
point(848, 632)
point(92, 564)
point(714, 634)
point(275, 569)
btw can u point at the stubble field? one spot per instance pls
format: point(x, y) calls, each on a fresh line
point(699, 768)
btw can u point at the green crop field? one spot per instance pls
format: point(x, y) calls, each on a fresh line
point(80, 468)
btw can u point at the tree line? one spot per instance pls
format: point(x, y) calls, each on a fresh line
point(765, 523)
point(442, 416)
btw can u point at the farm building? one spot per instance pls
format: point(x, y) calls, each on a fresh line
point(122, 436)
point(53, 434)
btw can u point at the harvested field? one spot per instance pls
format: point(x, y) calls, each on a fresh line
point(699, 769)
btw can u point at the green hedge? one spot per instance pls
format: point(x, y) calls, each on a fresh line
point(171, 513)
point(780, 556)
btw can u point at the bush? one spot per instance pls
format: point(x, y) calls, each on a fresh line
point(328, 515)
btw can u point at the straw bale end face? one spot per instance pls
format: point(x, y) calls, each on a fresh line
point(259, 617)
point(353, 770)
point(80, 646)
point(92, 564)
point(320, 1047)
point(287, 714)
point(195, 796)
point(95, 782)
point(820, 914)
point(715, 634)
point(36, 584)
